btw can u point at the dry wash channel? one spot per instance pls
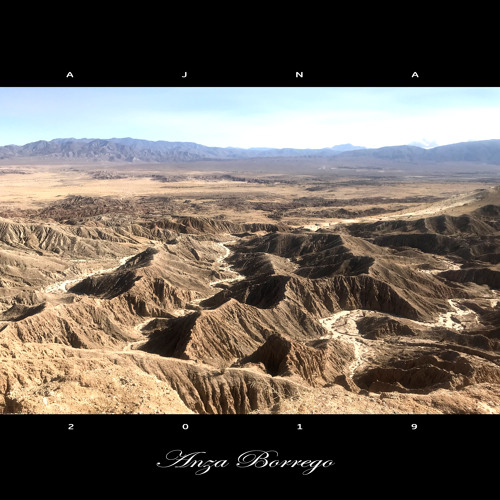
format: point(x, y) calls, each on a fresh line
point(125, 313)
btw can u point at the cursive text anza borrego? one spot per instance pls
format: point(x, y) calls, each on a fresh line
point(258, 459)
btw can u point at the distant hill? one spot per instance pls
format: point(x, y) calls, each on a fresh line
point(137, 150)
point(474, 151)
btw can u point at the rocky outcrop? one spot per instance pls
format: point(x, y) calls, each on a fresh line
point(190, 314)
point(342, 271)
point(446, 225)
point(318, 362)
point(429, 243)
point(81, 324)
point(19, 312)
point(229, 332)
point(338, 293)
point(107, 286)
point(228, 390)
point(66, 380)
point(156, 281)
point(429, 372)
point(481, 276)
point(488, 210)
point(466, 236)
point(322, 297)
point(58, 240)
point(373, 327)
point(203, 225)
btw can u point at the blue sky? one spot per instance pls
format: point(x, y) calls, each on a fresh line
point(295, 117)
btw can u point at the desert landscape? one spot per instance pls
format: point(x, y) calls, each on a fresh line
point(360, 282)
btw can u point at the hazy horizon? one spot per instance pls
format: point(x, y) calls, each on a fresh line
point(361, 146)
point(246, 117)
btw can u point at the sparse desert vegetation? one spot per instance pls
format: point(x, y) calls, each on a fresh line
point(220, 288)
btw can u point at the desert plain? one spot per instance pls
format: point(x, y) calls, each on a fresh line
point(268, 286)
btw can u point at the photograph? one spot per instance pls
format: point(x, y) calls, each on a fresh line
point(286, 280)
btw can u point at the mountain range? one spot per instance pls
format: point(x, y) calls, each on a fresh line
point(138, 150)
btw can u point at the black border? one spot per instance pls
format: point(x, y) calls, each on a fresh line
point(370, 451)
point(363, 448)
point(382, 69)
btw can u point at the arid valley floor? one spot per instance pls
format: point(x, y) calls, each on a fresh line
point(235, 288)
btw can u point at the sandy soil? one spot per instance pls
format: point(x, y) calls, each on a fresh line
point(299, 203)
point(233, 199)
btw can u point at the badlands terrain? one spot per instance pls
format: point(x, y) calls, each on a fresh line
point(242, 286)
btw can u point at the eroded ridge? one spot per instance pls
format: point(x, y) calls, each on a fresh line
point(127, 313)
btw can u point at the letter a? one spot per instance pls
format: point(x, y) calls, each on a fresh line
point(69, 74)
point(414, 74)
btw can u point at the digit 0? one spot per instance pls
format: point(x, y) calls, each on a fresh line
point(185, 427)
